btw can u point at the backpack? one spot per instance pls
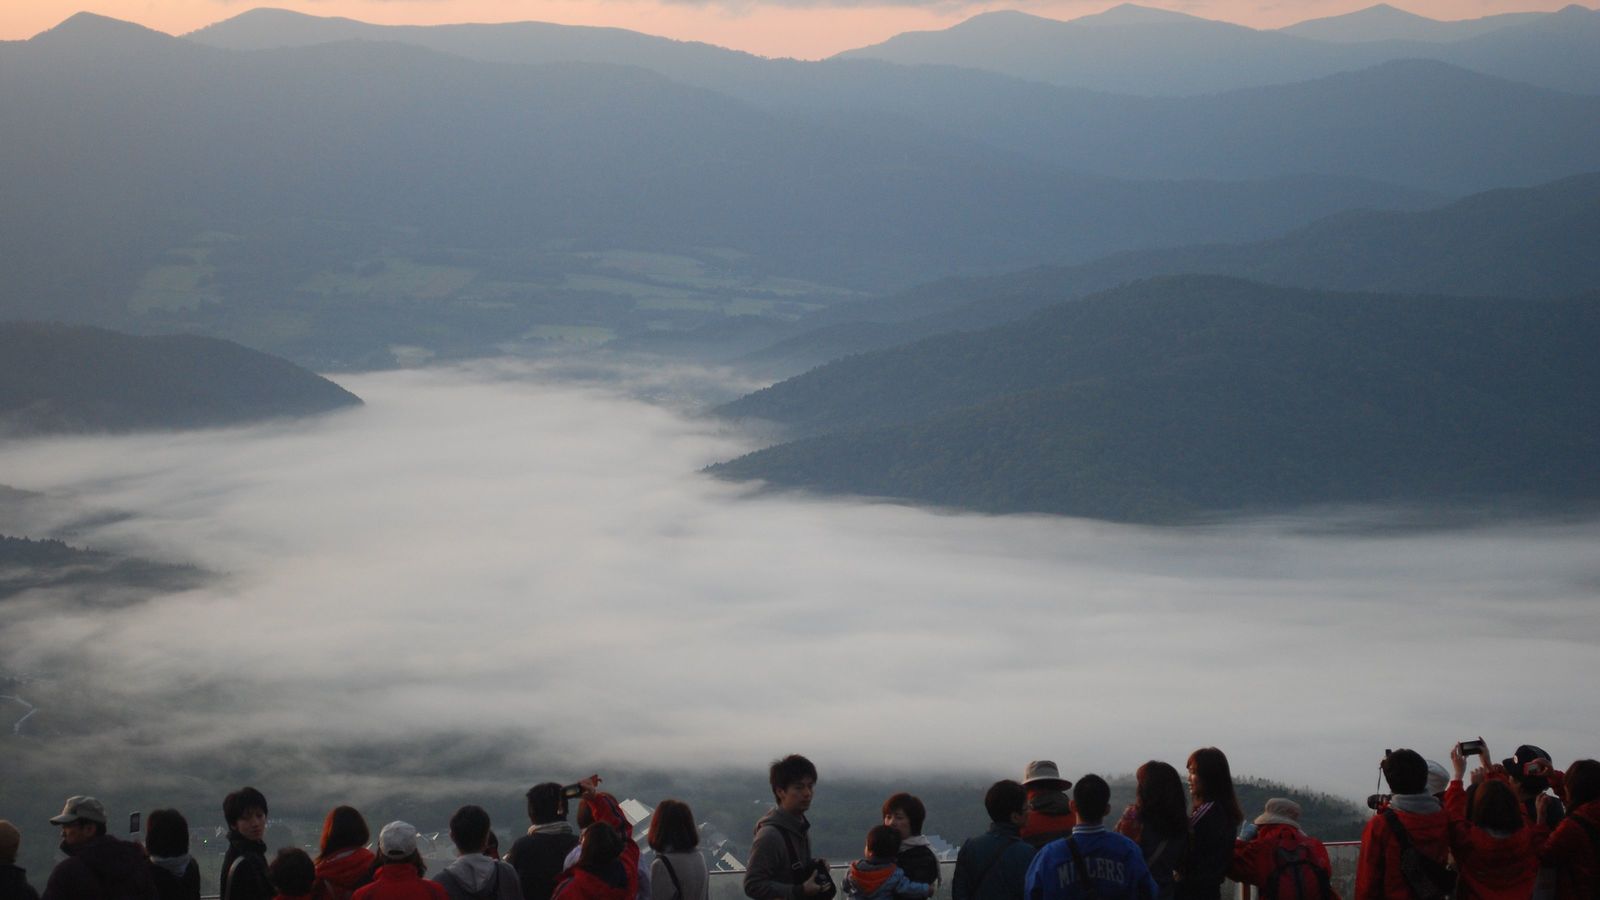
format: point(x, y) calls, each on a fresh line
point(1294, 876)
point(1427, 878)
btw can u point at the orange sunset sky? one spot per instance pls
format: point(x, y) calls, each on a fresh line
point(808, 29)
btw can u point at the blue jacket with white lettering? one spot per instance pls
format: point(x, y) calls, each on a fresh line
point(1115, 866)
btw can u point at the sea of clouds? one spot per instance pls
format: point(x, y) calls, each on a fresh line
point(499, 549)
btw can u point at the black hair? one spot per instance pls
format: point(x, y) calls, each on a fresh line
point(1583, 782)
point(790, 770)
point(1406, 771)
point(1163, 802)
point(292, 872)
point(601, 846)
point(236, 804)
point(1091, 798)
point(166, 833)
point(911, 806)
point(1004, 799)
point(1493, 804)
point(883, 842)
point(469, 828)
point(1214, 782)
point(544, 804)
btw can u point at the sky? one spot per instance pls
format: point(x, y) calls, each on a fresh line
point(486, 549)
point(806, 29)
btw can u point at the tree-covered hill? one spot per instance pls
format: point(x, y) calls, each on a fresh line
point(1198, 394)
point(62, 378)
point(1511, 242)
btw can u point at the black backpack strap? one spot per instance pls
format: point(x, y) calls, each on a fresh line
point(983, 873)
point(796, 864)
point(1083, 871)
point(677, 889)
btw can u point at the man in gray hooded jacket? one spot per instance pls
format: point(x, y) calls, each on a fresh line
point(473, 875)
point(781, 867)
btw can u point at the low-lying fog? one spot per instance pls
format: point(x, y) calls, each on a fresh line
point(490, 549)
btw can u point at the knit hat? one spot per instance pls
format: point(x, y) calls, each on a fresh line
point(1280, 811)
point(1043, 772)
point(81, 809)
point(1438, 778)
point(397, 840)
point(10, 839)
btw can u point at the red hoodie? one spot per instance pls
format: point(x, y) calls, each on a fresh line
point(339, 875)
point(1572, 853)
point(1378, 877)
point(578, 883)
point(401, 881)
point(1255, 860)
point(1489, 867)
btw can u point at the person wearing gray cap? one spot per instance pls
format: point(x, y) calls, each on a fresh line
point(1050, 813)
point(13, 880)
point(97, 865)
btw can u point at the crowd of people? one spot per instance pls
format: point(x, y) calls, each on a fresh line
point(1516, 830)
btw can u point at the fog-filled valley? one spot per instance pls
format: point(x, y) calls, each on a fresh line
point(401, 415)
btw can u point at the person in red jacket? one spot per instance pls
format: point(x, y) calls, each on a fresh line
point(1492, 843)
point(400, 877)
point(608, 861)
point(1415, 810)
point(343, 861)
point(1281, 852)
point(1573, 847)
point(1050, 814)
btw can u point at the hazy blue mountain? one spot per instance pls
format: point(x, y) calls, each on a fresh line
point(1524, 242)
point(63, 378)
point(154, 183)
point(1383, 22)
point(1136, 51)
point(1199, 394)
point(1471, 133)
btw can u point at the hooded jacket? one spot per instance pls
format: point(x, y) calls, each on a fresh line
point(101, 867)
point(1255, 860)
point(401, 881)
point(1050, 817)
point(1491, 866)
point(14, 884)
point(473, 876)
point(1378, 876)
point(917, 860)
point(175, 878)
point(1113, 863)
point(773, 873)
point(1573, 854)
point(873, 879)
point(618, 880)
point(342, 873)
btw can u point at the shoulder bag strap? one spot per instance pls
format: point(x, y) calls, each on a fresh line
point(988, 867)
point(677, 889)
point(1083, 871)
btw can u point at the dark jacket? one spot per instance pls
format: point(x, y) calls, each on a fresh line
point(774, 872)
point(14, 885)
point(102, 867)
point(176, 887)
point(918, 862)
point(1211, 837)
point(539, 857)
point(249, 878)
point(992, 866)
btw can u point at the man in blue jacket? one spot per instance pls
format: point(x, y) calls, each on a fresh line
point(1092, 863)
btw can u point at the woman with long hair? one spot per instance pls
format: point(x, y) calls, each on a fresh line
point(1158, 821)
point(1491, 843)
point(607, 867)
point(343, 861)
point(679, 870)
point(1213, 825)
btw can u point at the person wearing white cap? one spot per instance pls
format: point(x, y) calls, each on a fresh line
point(1281, 859)
point(1050, 814)
point(400, 876)
point(97, 864)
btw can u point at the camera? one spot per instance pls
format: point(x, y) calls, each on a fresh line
point(1378, 801)
point(1470, 748)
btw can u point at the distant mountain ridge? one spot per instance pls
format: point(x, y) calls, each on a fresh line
point(1156, 53)
point(64, 379)
point(1197, 395)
